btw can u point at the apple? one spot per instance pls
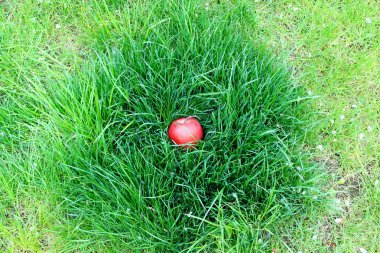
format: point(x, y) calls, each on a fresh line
point(185, 132)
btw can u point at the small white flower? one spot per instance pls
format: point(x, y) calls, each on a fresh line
point(128, 210)
point(295, 9)
point(376, 182)
point(362, 250)
point(368, 20)
point(333, 132)
point(338, 220)
point(207, 6)
point(320, 147)
point(342, 117)
point(347, 202)
point(315, 197)
point(2, 134)
point(352, 120)
point(303, 193)
point(309, 92)
point(234, 195)
point(369, 128)
point(309, 54)
point(299, 168)
point(353, 106)
point(31, 228)
point(58, 26)
point(361, 136)
point(34, 165)
point(332, 121)
point(315, 237)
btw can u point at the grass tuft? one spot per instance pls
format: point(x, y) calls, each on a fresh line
point(100, 136)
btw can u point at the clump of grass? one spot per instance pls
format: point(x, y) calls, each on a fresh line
point(125, 185)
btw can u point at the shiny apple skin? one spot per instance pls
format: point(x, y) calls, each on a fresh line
point(185, 132)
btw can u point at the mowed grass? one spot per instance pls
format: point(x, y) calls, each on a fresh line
point(88, 90)
point(335, 49)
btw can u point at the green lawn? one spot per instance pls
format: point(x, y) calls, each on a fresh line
point(87, 90)
point(334, 47)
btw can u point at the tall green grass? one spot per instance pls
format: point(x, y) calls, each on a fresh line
point(99, 136)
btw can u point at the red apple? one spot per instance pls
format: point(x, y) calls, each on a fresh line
point(185, 132)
